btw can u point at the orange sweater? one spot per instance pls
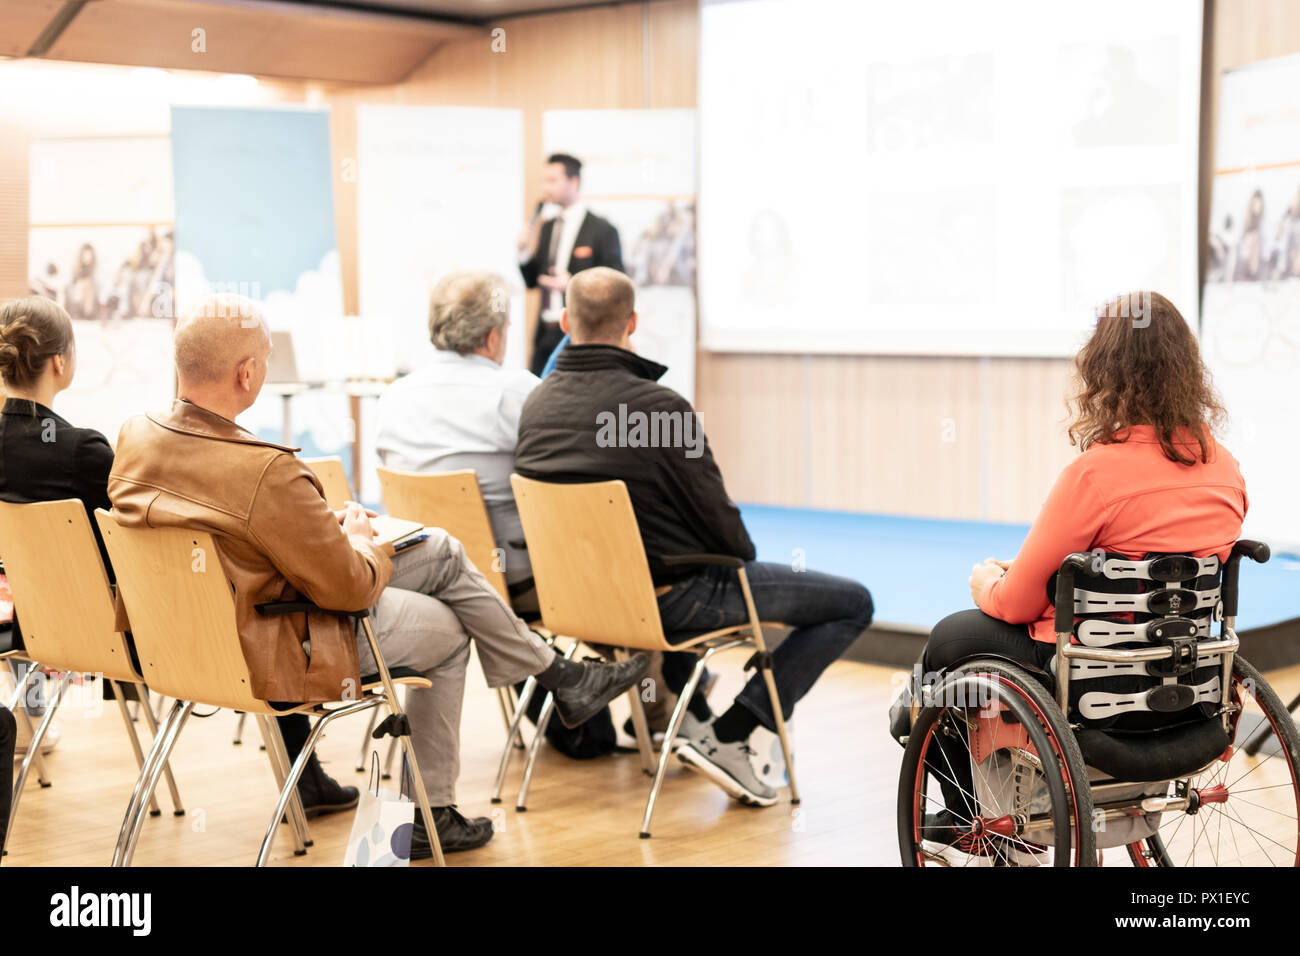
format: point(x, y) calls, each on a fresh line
point(1125, 497)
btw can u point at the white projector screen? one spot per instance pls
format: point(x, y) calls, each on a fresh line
point(941, 176)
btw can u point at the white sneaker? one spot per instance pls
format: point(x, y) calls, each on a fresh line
point(691, 728)
point(728, 765)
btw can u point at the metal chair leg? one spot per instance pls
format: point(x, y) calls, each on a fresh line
point(16, 695)
point(297, 810)
point(756, 627)
point(506, 701)
point(119, 694)
point(674, 724)
point(395, 708)
point(178, 809)
point(280, 770)
point(42, 777)
point(513, 734)
point(365, 741)
point(15, 700)
point(512, 704)
point(158, 754)
point(644, 741)
point(239, 729)
point(543, 719)
point(34, 749)
point(289, 782)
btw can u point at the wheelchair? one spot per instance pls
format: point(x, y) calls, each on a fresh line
point(1144, 731)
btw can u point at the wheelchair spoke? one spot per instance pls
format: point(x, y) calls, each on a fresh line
point(1255, 835)
point(1218, 838)
point(1251, 770)
point(1259, 806)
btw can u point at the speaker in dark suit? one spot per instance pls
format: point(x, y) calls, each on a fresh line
point(551, 252)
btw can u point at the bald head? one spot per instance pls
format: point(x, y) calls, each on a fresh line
point(599, 304)
point(217, 335)
point(222, 346)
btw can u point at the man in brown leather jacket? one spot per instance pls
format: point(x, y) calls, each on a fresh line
point(276, 539)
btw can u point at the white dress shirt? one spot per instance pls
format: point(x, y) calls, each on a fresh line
point(461, 411)
point(568, 222)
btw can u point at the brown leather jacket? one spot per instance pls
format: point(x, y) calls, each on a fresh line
point(275, 537)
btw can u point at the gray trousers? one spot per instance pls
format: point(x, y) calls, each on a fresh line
point(436, 604)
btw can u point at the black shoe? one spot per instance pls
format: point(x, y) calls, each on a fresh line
point(600, 684)
point(320, 793)
point(455, 833)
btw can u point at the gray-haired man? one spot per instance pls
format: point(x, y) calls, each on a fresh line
point(461, 410)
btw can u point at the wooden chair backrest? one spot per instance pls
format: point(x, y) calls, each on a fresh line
point(62, 597)
point(333, 479)
point(453, 501)
point(593, 580)
point(182, 612)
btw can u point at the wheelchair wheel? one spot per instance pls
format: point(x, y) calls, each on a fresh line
point(992, 776)
point(1244, 810)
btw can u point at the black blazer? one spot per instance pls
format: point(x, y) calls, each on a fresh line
point(596, 237)
point(43, 458)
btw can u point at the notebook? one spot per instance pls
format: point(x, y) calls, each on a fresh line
point(390, 531)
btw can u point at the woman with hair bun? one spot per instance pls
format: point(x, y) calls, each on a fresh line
point(42, 456)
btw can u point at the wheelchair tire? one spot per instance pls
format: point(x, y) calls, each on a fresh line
point(1280, 844)
point(1030, 705)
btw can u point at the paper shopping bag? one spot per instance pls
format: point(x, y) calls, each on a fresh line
point(382, 828)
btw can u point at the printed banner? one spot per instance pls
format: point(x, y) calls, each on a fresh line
point(1251, 308)
point(255, 216)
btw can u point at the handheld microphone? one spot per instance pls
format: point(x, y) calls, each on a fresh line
point(537, 212)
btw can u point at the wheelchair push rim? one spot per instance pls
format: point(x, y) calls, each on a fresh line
point(1244, 808)
point(1005, 822)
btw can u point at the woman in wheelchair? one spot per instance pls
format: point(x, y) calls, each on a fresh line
point(1017, 757)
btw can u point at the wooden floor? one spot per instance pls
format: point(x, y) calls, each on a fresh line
point(581, 813)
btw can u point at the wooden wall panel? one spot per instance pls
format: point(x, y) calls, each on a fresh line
point(15, 147)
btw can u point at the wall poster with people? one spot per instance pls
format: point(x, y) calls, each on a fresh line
point(638, 171)
point(1251, 306)
point(101, 244)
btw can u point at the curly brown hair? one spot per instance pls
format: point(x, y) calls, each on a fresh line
point(1142, 366)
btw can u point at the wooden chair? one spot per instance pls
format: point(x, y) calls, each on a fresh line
point(453, 501)
point(65, 602)
point(182, 612)
point(11, 653)
point(450, 500)
point(593, 581)
point(338, 492)
point(333, 480)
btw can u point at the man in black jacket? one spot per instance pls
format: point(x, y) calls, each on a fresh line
point(551, 253)
point(602, 415)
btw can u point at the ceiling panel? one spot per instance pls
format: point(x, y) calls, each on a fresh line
point(481, 11)
point(266, 40)
point(21, 22)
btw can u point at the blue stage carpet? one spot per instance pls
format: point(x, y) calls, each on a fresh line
point(917, 569)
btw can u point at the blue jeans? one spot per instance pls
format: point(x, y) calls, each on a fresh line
point(827, 614)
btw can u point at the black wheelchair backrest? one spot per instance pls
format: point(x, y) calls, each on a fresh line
point(1113, 601)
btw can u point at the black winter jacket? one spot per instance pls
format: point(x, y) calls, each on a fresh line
point(602, 415)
